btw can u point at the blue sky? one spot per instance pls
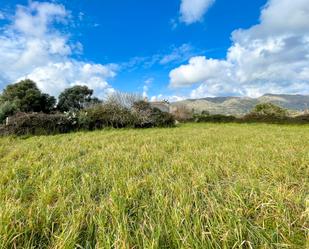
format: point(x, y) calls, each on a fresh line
point(163, 49)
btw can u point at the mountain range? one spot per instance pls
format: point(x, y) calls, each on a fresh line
point(243, 105)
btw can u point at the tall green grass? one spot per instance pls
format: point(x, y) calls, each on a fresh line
point(195, 186)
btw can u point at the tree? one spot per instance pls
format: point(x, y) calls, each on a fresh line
point(269, 109)
point(25, 96)
point(76, 98)
point(124, 99)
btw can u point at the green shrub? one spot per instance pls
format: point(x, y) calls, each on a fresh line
point(270, 110)
point(162, 119)
point(303, 119)
point(112, 114)
point(268, 113)
point(105, 115)
point(146, 116)
point(255, 117)
point(37, 124)
point(7, 109)
point(108, 114)
point(217, 118)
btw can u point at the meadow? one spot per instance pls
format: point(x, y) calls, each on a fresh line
point(193, 186)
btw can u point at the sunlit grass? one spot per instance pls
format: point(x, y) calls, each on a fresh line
point(195, 186)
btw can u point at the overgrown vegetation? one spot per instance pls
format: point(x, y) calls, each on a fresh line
point(76, 98)
point(217, 118)
point(38, 124)
point(197, 186)
point(25, 96)
point(26, 110)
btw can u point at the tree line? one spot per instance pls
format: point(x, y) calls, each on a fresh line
point(25, 109)
point(25, 96)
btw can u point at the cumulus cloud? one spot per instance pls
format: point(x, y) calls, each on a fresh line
point(192, 11)
point(272, 56)
point(31, 47)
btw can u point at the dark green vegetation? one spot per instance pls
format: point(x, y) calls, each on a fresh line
point(196, 186)
point(76, 98)
point(24, 97)
point(24, 110)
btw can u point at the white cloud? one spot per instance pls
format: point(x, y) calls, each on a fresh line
point(174, 55)
point(272, 56)
point(31, 46)
point(178, 54)
point(170, 98)
point(192, 11)
point(1, 15)
point(54, 77)
point(146, 87)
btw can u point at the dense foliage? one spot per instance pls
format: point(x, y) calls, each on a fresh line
point(7, 108)
point(268, 112)
point(26, 110)
point(25, 96)
point(105, 115)
point(76, 98)
point(147, 116)
point(217, 118)
point(113, 114)
point(269, 109)
point(38, 124)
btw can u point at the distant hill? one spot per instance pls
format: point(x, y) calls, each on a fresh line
point(243, 105)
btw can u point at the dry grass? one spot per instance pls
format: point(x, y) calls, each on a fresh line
point(196, 186)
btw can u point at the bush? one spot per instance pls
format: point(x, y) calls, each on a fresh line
point(108, 114)
point(303, 119)
point(255, 117)
point(37, 124)
point(105, 115)
point(146, 116)
point(217, 118)
point(7, 109)
point(162, 119)
point(142, 112)
point(112, 114)
point(268, 113)
point(270, 110)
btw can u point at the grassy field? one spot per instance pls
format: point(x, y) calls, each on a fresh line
point(194, 186)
